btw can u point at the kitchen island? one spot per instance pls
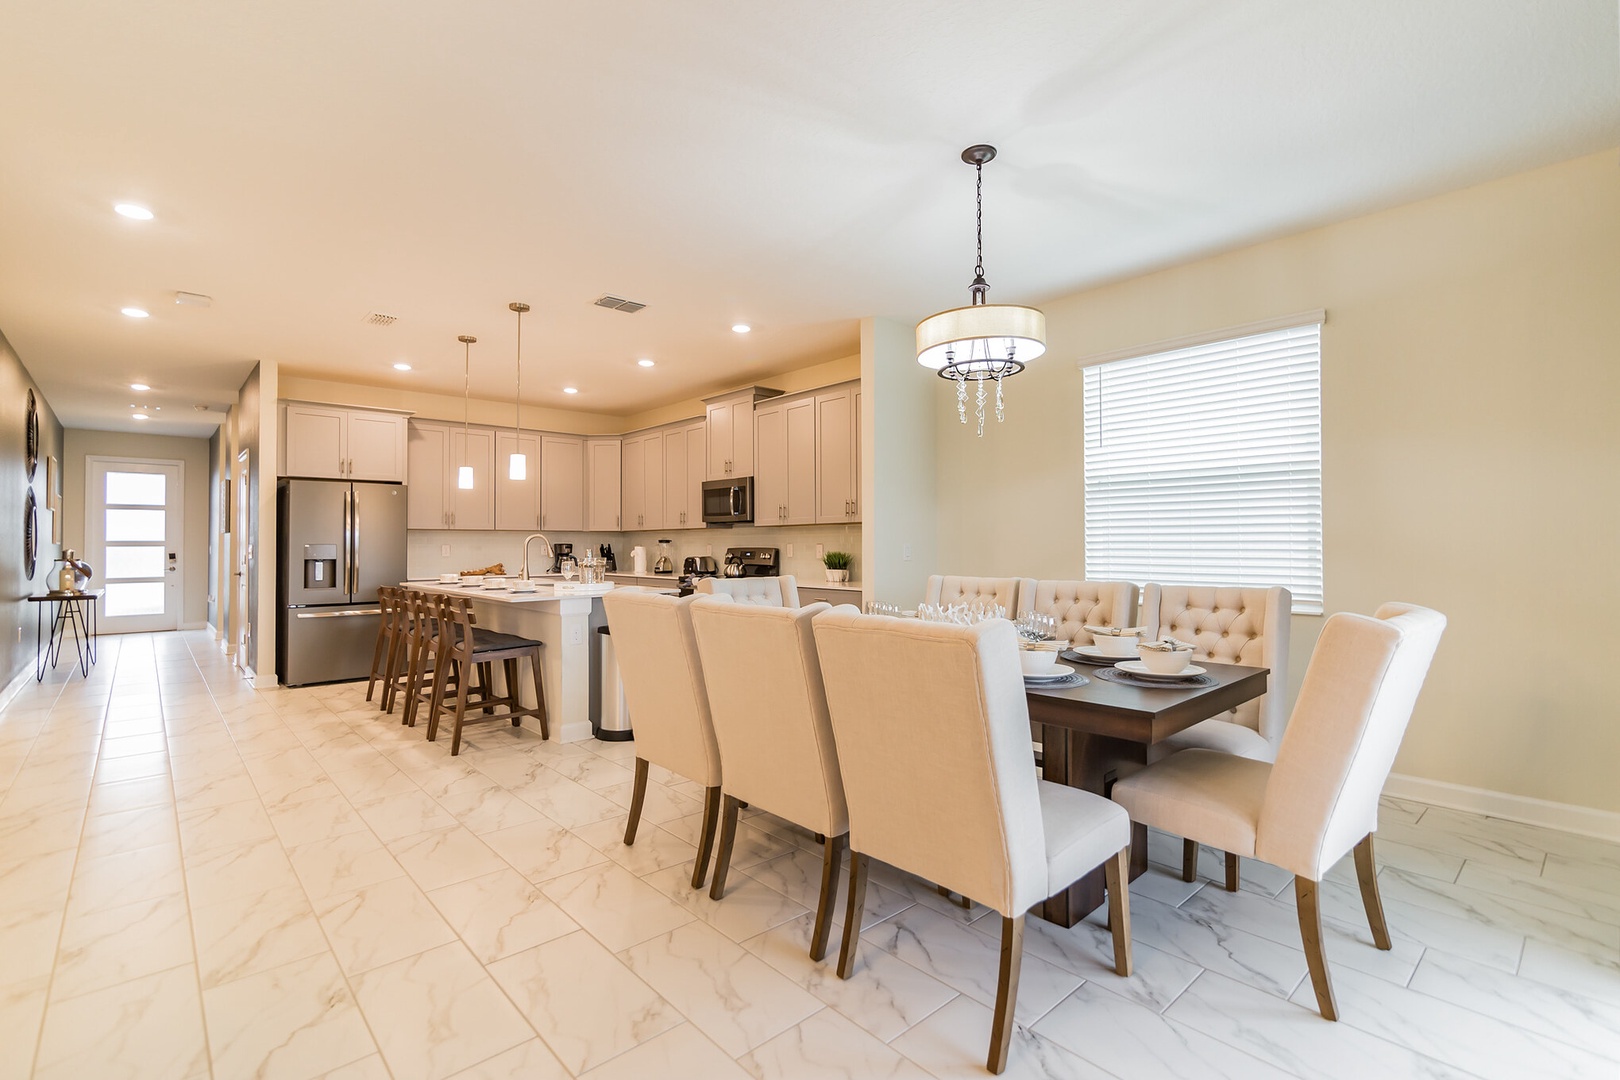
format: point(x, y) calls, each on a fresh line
point(567, 624)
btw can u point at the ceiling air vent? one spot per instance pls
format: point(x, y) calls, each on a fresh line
point(377, 318)
point(619, 303)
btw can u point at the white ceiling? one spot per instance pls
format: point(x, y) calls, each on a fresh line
point(792, 165)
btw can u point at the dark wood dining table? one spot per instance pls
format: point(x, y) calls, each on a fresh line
point(1103, 731)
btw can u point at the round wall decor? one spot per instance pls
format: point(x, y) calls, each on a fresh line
point(30, 534)
point(31, 435)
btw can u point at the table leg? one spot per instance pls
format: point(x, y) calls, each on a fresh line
point(39, 641)
point(1091, 763)
point(81, 648)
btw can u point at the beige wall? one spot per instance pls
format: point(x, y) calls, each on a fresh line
point(898, 496)
point(1471, 453)
point(194, 453)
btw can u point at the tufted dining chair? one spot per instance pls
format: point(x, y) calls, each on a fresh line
point(1009, 592)
point(663, 685)
point(770, 591)
point(1319, 801)
point(1078, 604)
point(932, 728)
point(776, 741)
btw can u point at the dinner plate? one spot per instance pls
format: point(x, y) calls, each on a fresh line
point(1140, 670)
point(1059, 671)
point(1092, 655)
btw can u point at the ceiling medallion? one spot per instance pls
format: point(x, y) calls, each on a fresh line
point(980, 342)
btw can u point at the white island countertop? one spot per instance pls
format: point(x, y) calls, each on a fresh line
point(544, 591)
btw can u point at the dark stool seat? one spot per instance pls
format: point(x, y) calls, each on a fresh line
point(460, 650)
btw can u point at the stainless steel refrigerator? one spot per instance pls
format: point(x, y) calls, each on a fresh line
point(337, 541)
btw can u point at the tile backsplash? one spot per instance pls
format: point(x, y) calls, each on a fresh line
point(469, 550)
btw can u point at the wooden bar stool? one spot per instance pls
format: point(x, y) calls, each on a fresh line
point(384, 656)
point(425, 654)
point(464, 648)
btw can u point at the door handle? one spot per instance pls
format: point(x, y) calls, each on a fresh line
point(336, 614)
point(354, 558)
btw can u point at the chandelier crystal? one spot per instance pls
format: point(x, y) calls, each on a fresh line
point(982, 342)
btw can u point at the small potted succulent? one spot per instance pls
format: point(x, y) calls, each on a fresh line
point(837, 564)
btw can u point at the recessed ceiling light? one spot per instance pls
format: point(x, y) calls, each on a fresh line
point(402, 367)
point(130, 210)
point(645, 363)
point(740, 328)
point(570, 389)
point(139, 386)
point(134, 312)
point(141, 416)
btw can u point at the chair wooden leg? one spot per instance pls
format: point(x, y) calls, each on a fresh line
point(461, 709)
point(510, 667)
point(441, 679)
point(832, 864)
point(854, 911)
point(1231, 872)
point(711, 819)
point(1118, 872)
point(486, 685)
point(1367, 875)
point(384, 639)
point(1310, 933)
point(722, 857)
point(638, 795)
point(540, 695)
point(1012, 960)
point(1189, 860)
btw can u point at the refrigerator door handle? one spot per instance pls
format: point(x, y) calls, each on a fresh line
point(354, 558)
point(336, 614)
point(348, 536)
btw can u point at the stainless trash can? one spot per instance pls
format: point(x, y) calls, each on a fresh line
point(614, 722)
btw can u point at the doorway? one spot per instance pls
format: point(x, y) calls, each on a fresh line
point(134, 529)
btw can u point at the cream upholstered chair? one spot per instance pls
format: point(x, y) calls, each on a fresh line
point(933, 742)
point(1078, 604)
point(1320, 800)
point(1229, 625)
point(776, 742)
point(769, 591)
point(1007, 591)
point(663, 686)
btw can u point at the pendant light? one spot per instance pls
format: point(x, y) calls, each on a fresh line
point(980, 342)
point(517, 466)
point(464, 475)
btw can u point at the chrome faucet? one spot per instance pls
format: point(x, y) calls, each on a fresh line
point(523, 571)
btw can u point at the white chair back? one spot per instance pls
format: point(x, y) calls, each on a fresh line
point(1009, 592)
point(933, 745)
point(1363, 679)
point(768, 591)
point(1078, 604)
point(1231, 625)
point(770, 710)
point(663, 682)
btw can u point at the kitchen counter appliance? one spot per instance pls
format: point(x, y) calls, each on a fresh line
point(559, 552)
point(753, 562)
point(728, 502)
point(337, 541)
point(664, 564)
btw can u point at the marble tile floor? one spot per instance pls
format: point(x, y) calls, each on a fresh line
point(201, 880)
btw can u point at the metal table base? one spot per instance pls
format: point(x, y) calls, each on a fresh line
point(75, 612)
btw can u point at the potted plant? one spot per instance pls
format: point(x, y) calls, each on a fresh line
point(837, 564)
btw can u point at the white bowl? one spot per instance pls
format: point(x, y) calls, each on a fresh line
point(472, 581)
point(449, 579)
point(493, 582)
point(1038, 658)
point(1115, 646)
point(1161, 662)
point(520, 585)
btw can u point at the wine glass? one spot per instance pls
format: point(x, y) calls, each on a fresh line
point(569, 568)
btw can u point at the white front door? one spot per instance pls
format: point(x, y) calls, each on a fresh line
point(133, 530)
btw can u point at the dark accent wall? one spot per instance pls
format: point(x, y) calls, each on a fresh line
point(16, 613)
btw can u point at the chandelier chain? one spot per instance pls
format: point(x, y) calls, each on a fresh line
point(978, 219)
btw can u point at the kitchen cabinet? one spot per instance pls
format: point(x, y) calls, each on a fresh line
point(562, 483)
point(517, 502)
point(838, 481)
point(331, 441)
point(643, 476)
point(435, 454)
point(729, 424)
point(785, 463)
point(685, 469)
point(604, 484)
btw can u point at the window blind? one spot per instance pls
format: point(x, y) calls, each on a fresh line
point(1204, 465)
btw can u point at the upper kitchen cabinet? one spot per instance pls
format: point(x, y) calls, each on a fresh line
point(331, 441)
point(562, 483)
point(603, 487)
point(643, 480)
point(838, 470)
point(436, 453)
point(785, 469)
point(730, 427)
point(685, 469)
point(517, 502)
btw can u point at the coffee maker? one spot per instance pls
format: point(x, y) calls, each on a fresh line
point(559, 552)
point(607, 556)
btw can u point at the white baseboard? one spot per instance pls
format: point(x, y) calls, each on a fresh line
point(200, 624)
point(264, 682)
point(14, 687)
point(1566, 817)
point(578, 731)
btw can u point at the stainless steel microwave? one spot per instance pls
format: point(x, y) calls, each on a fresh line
point(728, 502)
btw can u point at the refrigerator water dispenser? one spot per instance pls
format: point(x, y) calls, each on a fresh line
point(320, 566)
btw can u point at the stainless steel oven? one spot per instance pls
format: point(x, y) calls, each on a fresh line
point(727, 502)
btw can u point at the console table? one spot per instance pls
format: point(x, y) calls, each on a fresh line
point(69, 611)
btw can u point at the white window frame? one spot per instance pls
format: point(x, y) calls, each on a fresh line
point(1158, 492)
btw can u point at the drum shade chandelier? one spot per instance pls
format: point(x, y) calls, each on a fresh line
point(517, 466)
point(464, 474)
point(981, 342)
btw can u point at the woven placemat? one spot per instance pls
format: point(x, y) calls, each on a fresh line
point(1113, 674)
point(1094, 661)
point(1071, 679)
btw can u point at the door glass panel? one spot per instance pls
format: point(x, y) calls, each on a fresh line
point(136, 488)
point(133, 598)
point(133, 562)
point(135, 525)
